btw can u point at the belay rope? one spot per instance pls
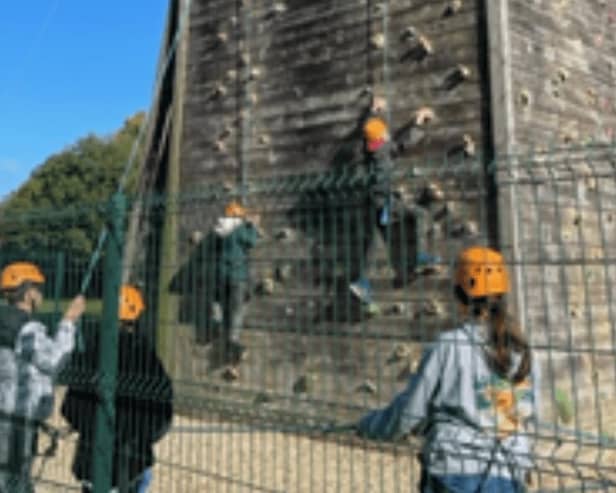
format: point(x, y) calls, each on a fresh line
point(55, 433)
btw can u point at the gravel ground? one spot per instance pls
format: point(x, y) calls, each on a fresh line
point(198, 456)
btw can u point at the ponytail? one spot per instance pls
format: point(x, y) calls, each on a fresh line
point(505, 336)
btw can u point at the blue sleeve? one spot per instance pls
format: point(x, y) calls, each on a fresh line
point(409, 409)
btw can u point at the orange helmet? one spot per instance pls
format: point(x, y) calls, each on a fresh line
point(234, 209)
point(17, 273)
point(375, 133)
point(131, 303)
point(481, 271)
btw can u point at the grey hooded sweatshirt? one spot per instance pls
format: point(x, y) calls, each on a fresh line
point(472, 420)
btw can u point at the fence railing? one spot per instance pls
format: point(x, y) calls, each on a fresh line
point(265, 408)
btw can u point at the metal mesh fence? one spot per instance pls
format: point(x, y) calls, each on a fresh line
point(273, 354)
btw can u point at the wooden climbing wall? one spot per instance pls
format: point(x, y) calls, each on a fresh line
point(563, 72)
point(272, 89)
point(557, 212)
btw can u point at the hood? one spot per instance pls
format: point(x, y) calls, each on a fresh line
point(227, 225)
point(11, 321)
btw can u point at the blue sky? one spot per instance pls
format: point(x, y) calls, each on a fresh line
point(69, 68)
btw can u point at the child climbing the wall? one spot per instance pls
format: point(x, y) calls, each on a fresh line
point(474, 394)
point(144, 397)
point(381, 211)
point(237, 233)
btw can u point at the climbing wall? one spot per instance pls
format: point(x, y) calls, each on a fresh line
point(278, 89)
point(563, 72)
point(559, 225)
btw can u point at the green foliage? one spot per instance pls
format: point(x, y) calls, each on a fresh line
point(80, 177)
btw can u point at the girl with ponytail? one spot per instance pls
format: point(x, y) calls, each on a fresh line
point(474, 393)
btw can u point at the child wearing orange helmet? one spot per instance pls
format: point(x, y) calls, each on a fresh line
point(474, 393)
point(378, 159)
point(236, 235)
point(29, 361)
point(144, 396)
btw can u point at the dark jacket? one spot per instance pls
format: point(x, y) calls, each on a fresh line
point(235, 239)
point(144, 409)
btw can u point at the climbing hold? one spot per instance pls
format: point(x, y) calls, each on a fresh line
point(465, 228)
point(564, 406)
point(399, 353)
point(577, 220)
point(423, 116)
point(524, 98)
point(424, 45)
point(220, 90)
point(283, 272)
point(220, 146)
point(430, 308)
point(432, 192)
point(253, 97)
point(562, 74)
point(377, 41)
point(226, 132)
point(365, 91)
point(452, 8)
point(366, 387)
point(421, 46)
point(195, 237)
point(305, 384)
point(379, 104)
point(397, 308)
point(284, 234)
point(466, 146)
point(409, 33)
point(469, 145)
point(266, 286)
point(222, 37)
point(568, 137)
point(458, 75)
point(255, 73)
point(277, 9)
point(264, 139)
point(230, 374)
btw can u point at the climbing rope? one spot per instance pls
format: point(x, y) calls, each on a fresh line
point(94, 259)
point(55, 434)
point(96, 255)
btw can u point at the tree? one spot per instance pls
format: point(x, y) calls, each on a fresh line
point(59, 207)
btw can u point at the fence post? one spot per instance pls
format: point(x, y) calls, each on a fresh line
point(102, 452)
